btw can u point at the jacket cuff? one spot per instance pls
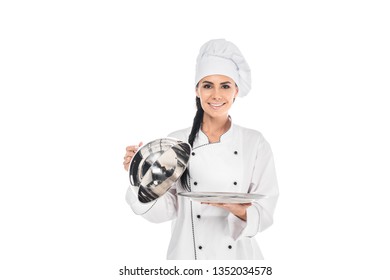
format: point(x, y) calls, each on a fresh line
point(239, 228)
point(138, 207)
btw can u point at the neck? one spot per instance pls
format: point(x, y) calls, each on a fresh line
point(214, 128)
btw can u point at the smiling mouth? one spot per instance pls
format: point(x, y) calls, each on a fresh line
point(216, 105)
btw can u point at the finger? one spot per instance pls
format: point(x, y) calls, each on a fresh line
point(214, 203)
point(131, 148)
point(221, 205)
point(246, 204)
point(126, 166)
point(130, 153)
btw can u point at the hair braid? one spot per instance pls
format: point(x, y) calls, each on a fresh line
point(191, 138)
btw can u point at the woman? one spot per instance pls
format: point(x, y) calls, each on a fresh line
point(225, 158)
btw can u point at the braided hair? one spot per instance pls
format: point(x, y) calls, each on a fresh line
point(191, 138)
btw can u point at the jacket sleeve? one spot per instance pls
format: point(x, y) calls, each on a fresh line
point(158, 211)
point(263, 181)
point(162, 209)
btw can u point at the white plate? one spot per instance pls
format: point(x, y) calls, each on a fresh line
point(222, 197)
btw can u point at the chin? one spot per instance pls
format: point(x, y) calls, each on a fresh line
point(217, 114)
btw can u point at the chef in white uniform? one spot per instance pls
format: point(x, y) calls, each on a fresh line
point(225, 158)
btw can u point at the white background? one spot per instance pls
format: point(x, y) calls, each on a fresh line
point(80, 80)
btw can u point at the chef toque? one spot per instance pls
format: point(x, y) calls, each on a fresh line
point(221, 57)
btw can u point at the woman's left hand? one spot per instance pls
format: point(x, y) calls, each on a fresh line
point(238, 209)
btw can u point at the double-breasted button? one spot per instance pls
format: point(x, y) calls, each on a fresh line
point(198, 216)
point(195, 183)
point(235, 183)
point(230, 246)
point(193, 153)
point(235, 152)
point(200, 247)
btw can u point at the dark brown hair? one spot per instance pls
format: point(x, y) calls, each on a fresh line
point(184, 179)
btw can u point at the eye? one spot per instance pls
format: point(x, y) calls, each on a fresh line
point(207, 86)
point(225, 86)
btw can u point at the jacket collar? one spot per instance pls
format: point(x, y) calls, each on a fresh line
point(202, 138)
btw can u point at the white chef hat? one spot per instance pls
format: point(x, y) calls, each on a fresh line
point(221, 57)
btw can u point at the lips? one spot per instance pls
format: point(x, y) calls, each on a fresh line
point(216, 105)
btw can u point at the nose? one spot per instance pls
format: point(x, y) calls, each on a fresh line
point(217, 94)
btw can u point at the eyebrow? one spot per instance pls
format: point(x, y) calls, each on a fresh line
point(208, 82)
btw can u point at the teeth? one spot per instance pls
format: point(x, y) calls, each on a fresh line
point(216, 105)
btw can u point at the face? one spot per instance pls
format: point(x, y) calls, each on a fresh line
point(216, 93)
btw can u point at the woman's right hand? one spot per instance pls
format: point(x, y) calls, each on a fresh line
point(130, 151)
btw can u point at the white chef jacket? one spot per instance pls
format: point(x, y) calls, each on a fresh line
point(241, 161)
